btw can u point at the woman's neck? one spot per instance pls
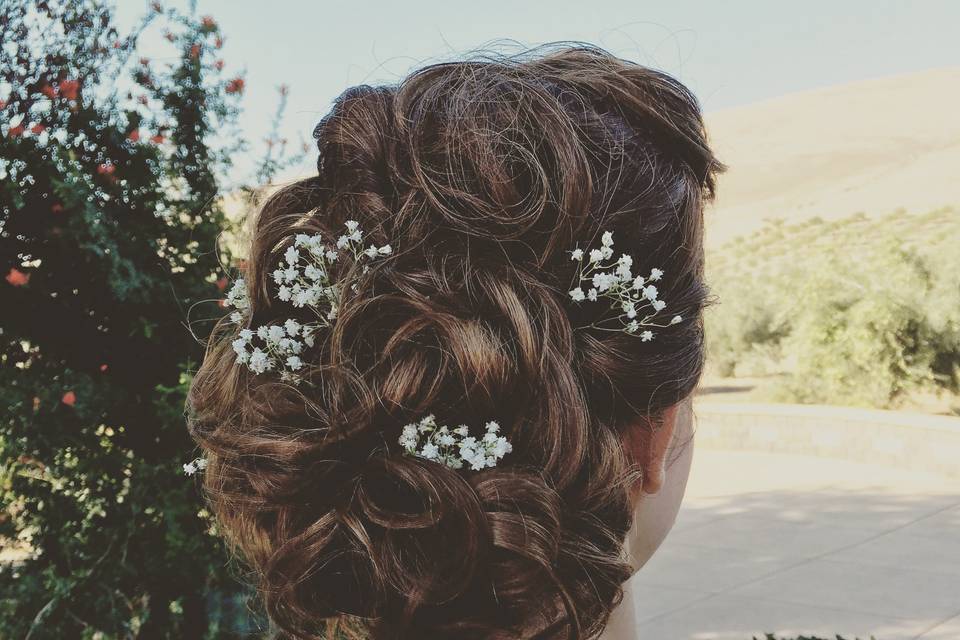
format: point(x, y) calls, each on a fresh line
point(623, 621)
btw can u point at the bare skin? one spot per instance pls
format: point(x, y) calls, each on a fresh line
point(665, 451)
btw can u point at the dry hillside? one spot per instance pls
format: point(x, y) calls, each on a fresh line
point(870, 146)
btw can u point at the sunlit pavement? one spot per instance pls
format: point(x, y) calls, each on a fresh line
point(795, 544)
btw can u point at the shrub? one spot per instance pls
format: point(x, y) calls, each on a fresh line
point(859, 311)
point(110, 218)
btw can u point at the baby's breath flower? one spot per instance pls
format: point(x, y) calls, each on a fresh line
point(197, 464)
point(454, 448)
point(303, 279)
point(632, 296)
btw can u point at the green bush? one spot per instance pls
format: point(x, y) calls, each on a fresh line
point(109, 225)
point(859, 311)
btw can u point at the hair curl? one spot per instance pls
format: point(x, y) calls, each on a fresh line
point(482, 174)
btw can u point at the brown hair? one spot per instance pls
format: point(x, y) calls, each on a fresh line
point(482, 174)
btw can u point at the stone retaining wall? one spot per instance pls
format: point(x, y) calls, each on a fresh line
point(900, 439)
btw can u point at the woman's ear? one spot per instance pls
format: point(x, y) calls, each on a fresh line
point(648, 444)
point(664, 450)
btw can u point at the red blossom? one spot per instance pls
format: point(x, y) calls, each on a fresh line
point(106, 169)
point(103, 368)
point(18, 278)
point(195, 51)
point(218, 43)
point(134, 136)
point(49, 91)
point(219, 65)
point(116, 45)
point(143, 100)
point(168, 36)
point(37, 129)
point(222, 304)
point(222, 284)
point(235, 86)
point(208, 23)
point(69, 398)
point(144, 61)
point(157, 139)
point(69, 89)
point(56, 208)
point(156, 6)
point(3, 103)
point(16, 131)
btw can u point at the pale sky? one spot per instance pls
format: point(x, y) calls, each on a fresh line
point(729, 53)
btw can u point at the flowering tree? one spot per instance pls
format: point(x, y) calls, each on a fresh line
point(109, 226)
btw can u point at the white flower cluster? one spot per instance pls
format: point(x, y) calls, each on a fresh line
point(274, 347)
point(454, 447)
point(635, 297)
point(198, 464)
point(237, 298)
point(303, 280)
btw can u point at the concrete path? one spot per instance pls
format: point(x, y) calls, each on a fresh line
point(793, 544)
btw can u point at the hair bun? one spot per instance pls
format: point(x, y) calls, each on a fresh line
point(481, 175)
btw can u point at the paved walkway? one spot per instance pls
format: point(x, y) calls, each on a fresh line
point(795, 544)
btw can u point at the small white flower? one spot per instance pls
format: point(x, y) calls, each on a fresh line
point(385, 250)
point(371, 251)
point(650, 292)
point(430, 451)
point(292, 327)
point(676, 319)
point(236, 317)
point(632, 326)
point(279, 276)
point(577, 294)
point(294, 363)
point(352, 225)
point(342, 242)
point(638, 283)
point(592, 295)
point(189, 468)
point(646, 336)
point(658, 305)
point(292, 256)
point(332, 255)
point(276, 333)
point(260, 361)
point(239, 346)
point(576, 254)
point(596, 255)
point(263, 332)
point(656, 274)
point(607, 239)
point(284, 293)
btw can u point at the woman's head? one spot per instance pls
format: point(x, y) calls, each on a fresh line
point(482, 175)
